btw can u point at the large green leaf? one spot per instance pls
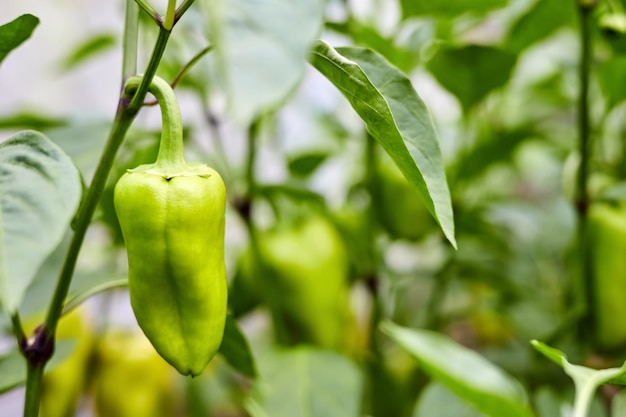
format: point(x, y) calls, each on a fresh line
point(449, 8)
point(471, 72)
point(463, 371)
point(306, 382)
point(15, 32)
point(261, 48)
point(396, 117)
point(40, 189)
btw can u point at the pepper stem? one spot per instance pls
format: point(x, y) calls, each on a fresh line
point(171, 158)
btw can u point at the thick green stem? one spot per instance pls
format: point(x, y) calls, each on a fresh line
point(18, 330)
point(157, 54)
point(583, 398)
point(582, 194)
point(121, 124)
point(170, 15)
point(171, 150)
point(372, 279)
point(34, 379)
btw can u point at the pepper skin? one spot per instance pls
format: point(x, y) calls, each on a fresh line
point(172, 218)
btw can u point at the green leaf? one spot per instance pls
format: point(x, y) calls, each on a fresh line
point(396, 117)
point(15, 32)
point(304, 165)
point(551, 353)
point(236, 350)
point(13, 364)
point(471, 72)
point(88, 49)
point(449, 8)
point(463, 371)
point(436, 400)
point(40, 189)
point(28, 120)
point(261, 47)
point(305, 382)
point(543, 19)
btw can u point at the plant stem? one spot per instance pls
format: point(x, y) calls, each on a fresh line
point(372, 279)
point(18, 329)
point(582, 194)
point(582, 401)
point(122, 122)
point(182, 9)
point(253, 138)
point(189, 65)
point(170, 15)
point(145, 6)
point(34, 378)
point(77, 300)
point(131, 37)
point(153, 64)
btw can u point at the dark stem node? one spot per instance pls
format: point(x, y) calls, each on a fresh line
point(39, 348)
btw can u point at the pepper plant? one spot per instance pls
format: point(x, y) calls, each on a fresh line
point(409, 203)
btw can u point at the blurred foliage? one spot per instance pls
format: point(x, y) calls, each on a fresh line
point(500, 79)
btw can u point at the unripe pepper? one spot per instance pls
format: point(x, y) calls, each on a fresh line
point(305, 283)
point(172, 218)
point(607, 237)
point(131, 380)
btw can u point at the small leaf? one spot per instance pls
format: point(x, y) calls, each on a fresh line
point(305, 382)
point(27, 120)
point(40, 189)
point(15, 32)
point(396, 117)
point(305, 165)
point(463, 371)
point(88, 49)
point(261, 47)
point(236, 350)
point(551, 353)
point(471, 72)
point(13, 364)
